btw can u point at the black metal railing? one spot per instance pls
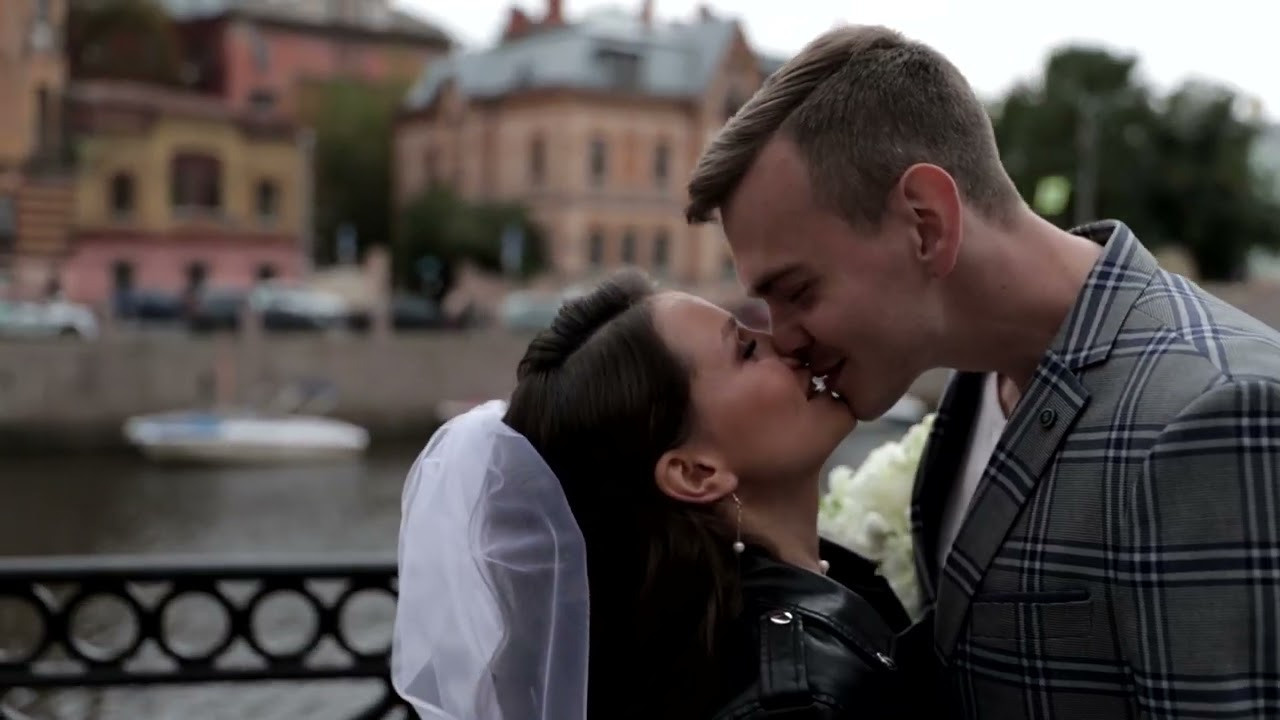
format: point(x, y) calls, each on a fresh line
point(135, 621)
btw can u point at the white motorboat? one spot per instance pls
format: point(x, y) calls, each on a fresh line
point(244, 436)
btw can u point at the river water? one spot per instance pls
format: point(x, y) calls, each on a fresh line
point(120, 504)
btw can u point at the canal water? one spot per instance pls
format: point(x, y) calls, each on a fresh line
point(120, 504)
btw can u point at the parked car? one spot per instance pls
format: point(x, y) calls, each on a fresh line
point(282, 309)
point(47, 319)
point(151, 307)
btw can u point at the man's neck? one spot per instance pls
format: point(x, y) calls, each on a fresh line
point(1012, 291)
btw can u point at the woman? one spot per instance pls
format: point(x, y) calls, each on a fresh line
point(688, 453)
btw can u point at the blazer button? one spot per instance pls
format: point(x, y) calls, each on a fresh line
point(781, 617)
point(1048, 418)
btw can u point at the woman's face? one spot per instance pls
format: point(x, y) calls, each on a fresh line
point(752, 408)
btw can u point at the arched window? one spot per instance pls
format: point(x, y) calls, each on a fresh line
point(121, 195)
point(267, 200)
point(595, 249)
point(196, 182)
point(662, 252)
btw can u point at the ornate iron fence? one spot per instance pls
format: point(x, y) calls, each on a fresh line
point(136, 621)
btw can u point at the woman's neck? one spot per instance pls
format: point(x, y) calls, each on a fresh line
point(786, 523)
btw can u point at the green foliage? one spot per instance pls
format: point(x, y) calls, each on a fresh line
point(354, 122)
point(437, 223)
point(1178, 168)
point(123, 40)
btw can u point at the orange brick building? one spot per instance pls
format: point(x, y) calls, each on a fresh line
point(36, 193)
point(594, 124)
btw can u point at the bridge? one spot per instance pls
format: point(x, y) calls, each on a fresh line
point(76, 622)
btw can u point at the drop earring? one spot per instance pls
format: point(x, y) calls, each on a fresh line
point(738, 545)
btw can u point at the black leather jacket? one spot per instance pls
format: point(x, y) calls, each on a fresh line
point(809, 647)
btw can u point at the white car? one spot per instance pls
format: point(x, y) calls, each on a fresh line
point(47, 319)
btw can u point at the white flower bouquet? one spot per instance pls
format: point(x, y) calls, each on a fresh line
point(868, 511)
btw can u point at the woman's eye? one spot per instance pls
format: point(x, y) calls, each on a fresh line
point(749, 349)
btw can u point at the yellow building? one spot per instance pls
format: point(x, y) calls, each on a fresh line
point(176, 191)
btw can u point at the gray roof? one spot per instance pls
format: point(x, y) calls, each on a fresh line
point(376, 16)
point(675, 60)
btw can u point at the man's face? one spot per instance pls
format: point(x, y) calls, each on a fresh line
point(854, 303)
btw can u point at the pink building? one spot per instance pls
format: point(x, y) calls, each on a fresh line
point(176, 192)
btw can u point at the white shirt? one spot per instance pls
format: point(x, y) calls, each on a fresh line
point(988, 426)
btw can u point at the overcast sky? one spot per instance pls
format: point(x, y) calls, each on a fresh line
point(995, 42)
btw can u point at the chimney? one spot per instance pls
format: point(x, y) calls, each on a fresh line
point(646, 13)
point(517, 24)
point(555, 13)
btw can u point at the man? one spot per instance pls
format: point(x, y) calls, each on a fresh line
point(1114, 432)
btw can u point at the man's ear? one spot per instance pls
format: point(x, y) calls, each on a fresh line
point(931, 199)
point(689, 476)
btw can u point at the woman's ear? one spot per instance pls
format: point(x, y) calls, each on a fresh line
point(692, 477)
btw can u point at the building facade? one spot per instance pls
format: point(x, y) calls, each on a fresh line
point(593, 124)
point(35, 178)
point(177, 192)
point(262, 54)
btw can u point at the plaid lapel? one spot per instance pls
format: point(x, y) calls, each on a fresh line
point(1042, 420)
point(948, 440)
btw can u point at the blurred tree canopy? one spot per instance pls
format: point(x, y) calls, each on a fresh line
point(1177, 168)
point(124, 40)
point(437, 226)
point(353, 122)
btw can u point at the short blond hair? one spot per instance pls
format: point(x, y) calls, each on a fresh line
point(862, 104)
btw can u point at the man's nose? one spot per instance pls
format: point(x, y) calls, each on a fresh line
point(790, 340)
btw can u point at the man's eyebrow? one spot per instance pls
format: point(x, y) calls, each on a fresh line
point(764, 285)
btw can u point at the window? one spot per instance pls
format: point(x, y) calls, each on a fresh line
point(121, 285)
point(537, 160)
point(599, 157)
point(262, 100)
point(261, 52)
point(121, 195)
point(595, 249)
point(661, 252)
point(629, 247)
point(267, 272)
point(44, 121)
point(197, 274)
point(267, 200)
point(196, 182)
point(8, 224)
point(621, 68)
point(661, 164)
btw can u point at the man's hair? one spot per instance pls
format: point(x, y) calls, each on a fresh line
point(862, 104)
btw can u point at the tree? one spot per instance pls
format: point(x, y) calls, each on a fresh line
point(353, 122)
point(437, 226)
point(123, 40)
point(1177, 169)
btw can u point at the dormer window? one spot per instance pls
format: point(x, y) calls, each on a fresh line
point(621, 68)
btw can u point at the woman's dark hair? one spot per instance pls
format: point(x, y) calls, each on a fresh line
point(602, 397)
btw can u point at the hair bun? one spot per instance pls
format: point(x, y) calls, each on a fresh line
point(579, 319)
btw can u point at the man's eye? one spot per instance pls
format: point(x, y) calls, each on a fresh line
point(795, 296)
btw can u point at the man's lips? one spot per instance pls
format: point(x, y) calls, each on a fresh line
point(824, 381)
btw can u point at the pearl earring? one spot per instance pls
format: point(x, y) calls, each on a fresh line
point(738, 545)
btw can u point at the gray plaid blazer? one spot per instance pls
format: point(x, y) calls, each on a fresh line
point(1121, 556)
